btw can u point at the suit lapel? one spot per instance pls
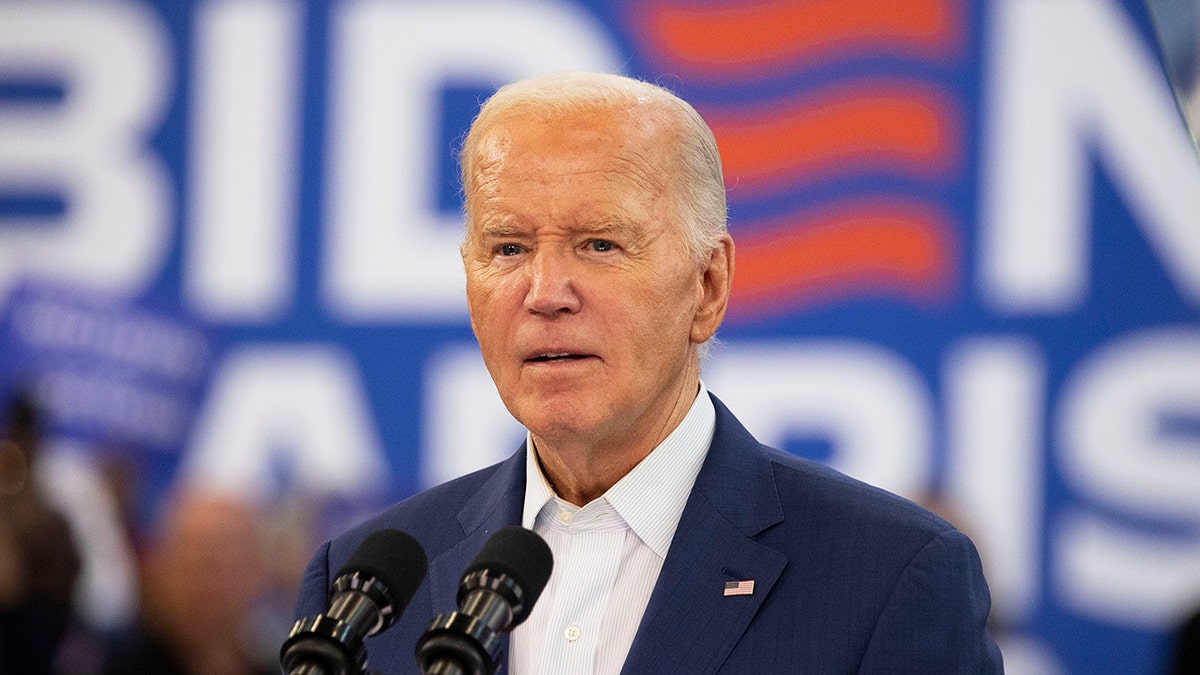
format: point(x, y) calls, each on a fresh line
point(497, 504)
point(690, 625)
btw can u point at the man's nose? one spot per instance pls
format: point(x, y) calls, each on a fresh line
point(551, 284)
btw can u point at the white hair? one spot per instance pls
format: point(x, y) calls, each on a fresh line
point(699, 190)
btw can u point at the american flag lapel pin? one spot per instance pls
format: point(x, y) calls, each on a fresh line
point(745, 587)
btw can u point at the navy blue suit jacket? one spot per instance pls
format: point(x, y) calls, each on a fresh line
point(847, 577)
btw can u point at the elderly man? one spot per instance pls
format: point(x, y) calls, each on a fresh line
point(598, 266)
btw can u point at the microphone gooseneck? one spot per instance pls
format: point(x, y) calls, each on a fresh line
point(496, 594)
point(367, 595)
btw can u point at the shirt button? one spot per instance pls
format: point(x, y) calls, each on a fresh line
point(571, 633)
point(566, 516)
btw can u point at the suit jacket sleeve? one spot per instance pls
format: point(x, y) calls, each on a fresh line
point(313, 597)
point(935, 620)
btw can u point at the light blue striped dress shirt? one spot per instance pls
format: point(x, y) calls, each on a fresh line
point(607, 555)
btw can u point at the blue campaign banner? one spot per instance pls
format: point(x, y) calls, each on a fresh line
point(968, 253)
point(114, 375)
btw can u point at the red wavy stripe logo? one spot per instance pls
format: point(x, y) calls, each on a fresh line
point(899, 128)
point(732, 41)
point(898, 248)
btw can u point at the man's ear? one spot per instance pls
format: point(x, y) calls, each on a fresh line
point(715, 283)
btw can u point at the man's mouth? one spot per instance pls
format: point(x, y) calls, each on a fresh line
point(557, 356)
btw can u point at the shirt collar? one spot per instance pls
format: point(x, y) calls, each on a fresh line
point(537, 488)
point(651, 497)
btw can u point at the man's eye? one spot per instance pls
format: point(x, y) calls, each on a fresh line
point(601, 245)
point(508, 249)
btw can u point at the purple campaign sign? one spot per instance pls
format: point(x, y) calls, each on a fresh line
point(110, 372)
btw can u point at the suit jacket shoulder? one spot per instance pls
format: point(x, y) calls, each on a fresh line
point(846, 577)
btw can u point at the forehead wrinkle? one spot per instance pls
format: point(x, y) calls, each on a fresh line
point(487, 163)
point(614, 205)
point(641, 169)
point(485, 175)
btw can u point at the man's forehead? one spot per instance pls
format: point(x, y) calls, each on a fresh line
point(638, 124)
point(569, 147)
point(515, 210)
point(492, 146)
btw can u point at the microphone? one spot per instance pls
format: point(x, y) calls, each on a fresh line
point(496, 594)
point(368, 593)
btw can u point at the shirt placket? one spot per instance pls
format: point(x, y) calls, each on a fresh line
point(586, 576)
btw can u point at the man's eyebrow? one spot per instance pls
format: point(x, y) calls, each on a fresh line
point(501, 231)
point(607, 225)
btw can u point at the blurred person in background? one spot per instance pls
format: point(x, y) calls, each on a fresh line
point(202, 574)
point(39, 561)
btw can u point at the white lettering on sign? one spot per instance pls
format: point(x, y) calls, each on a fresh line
point(1068, 78)
point(465, 424)
point(303, 408)
point(113, 61)
point(995, 400)
point(871, 405)
point(239, 264)
point(1128, 440)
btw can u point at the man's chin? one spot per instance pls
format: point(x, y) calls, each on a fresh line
point(555, 428)
point(558, 417)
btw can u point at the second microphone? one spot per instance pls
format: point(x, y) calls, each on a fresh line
point(496, 594)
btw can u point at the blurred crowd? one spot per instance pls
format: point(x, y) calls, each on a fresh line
point(212, 578)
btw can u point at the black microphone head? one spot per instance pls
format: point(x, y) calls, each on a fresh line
point(395, 560)
point(521, 555)
point(367, 595)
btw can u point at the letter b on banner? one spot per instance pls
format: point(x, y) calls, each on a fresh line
point(88, 149)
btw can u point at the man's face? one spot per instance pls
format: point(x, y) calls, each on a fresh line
point(584, 300)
